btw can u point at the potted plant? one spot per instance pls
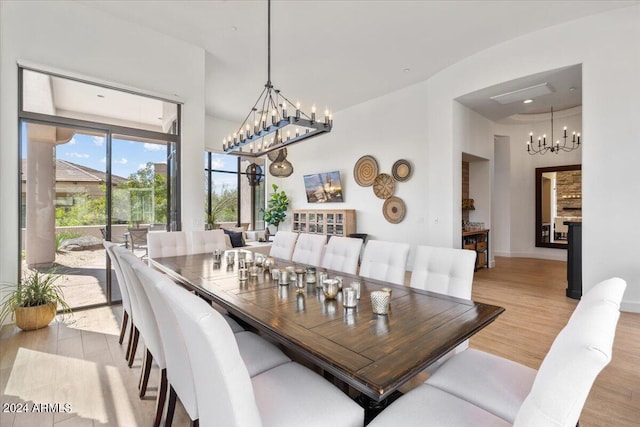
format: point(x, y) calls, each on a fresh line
point(276, 208)
point(34, 301)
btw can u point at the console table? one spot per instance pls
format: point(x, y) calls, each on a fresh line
point(330, 222)
point(477, 240)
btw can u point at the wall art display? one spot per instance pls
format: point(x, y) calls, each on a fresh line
point(401, 170)
point(394, 209)
point(365, 171)
point(323, 187)
point(383, 186)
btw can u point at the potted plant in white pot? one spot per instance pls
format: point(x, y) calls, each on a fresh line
point(276, 209)
point(34, 301)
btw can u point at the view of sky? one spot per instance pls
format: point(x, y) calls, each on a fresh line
point(128, 156)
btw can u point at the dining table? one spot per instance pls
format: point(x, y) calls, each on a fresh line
point(371, 353)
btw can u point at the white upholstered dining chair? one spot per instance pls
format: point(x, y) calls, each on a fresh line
point(206, 241)
point(446, 271)
point(134, 334)
point(386, 261)
point(257, 353)
point(480, 389)
point(148, 327)
point(284, 243)
point(342, 254)
point(124, 292)
point(309, 249)
point(286, 395)
point(166, 243)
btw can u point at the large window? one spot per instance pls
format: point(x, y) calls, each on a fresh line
point(95, 162)
point(234, 194)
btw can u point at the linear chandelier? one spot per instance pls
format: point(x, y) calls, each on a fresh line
point(274, 122)
point(555, 147)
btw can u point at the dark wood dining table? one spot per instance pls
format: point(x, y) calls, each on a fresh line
point(374, 354)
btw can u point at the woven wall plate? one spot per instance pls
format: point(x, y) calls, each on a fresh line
point(365, 171)
point(394, 210)
point(277, 155)
point(401, 170)
point(383, 186)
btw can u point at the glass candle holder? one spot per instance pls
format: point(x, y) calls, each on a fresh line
point(349, 299)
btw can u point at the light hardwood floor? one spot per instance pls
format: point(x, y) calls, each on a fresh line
point(81, 362)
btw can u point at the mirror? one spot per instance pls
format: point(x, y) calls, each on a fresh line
point(558, 200)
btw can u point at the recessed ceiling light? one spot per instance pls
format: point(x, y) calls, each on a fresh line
point(527, 101)
point(234, 28)
point(571, 89)
point(519, 95)
point(100, 96)
point(406, 70)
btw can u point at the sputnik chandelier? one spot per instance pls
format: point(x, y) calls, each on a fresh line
point(555, 147)
point(274, 122)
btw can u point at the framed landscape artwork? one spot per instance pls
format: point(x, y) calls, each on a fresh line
point(323, 187)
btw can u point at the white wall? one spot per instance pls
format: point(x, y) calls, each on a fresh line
point(389, 129)
point(70, 36)
point(423, 123)
point(501, 203)
point(474, 134)
point(215, 130)
point(607, 47)
point(521, 221)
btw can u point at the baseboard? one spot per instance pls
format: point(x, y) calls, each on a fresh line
point(630, 306)
point(548, 256)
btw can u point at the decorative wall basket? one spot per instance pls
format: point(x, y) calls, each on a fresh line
point(394, 210)
point(383, 186)
point(401, 170)
point(365, 171)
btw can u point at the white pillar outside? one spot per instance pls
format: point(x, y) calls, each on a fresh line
point(41, 193)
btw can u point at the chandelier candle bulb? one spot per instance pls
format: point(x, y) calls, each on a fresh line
point(284, 110)
point(313, 113)
point(565, 131)
point(326, 117)
point(297, 110)
point(273, 117)
point(297, 132)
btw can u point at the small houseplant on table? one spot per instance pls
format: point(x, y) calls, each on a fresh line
point(34, 301)
point(276, 209)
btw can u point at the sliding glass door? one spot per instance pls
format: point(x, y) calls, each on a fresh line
point(96, 164)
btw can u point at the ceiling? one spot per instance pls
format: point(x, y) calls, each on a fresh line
point(565, 83)
point(337, 54)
